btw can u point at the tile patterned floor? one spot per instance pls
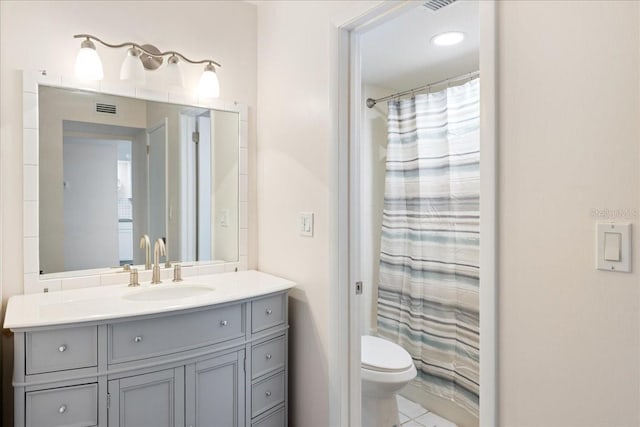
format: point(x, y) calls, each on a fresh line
point(414, 415)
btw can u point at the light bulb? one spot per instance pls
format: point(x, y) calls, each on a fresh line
point(132, 68)
point(88, 63)
point(174, 74)
point(209, 85)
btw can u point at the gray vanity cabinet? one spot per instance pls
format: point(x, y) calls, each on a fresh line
point(209, 392)
point(213, 392)
point(222, 365)
point(153, 399)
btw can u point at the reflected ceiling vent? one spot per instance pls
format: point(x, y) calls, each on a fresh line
point(437, 4)
point(106, 108)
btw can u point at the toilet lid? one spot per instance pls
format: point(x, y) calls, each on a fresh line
point(381, 355)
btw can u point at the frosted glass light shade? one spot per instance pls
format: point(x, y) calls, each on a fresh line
point(449, 38)
point(88, 63)
point(132, 68)
point(209, 85)
point(174, 74)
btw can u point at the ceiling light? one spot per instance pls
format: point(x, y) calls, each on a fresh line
point(448, 39)
point(88, 63)
point(209, 85)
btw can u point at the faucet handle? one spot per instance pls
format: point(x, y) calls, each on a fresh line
point(133, 278)
point(177, 273)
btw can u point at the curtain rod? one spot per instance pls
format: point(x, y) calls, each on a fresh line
point(371, 102)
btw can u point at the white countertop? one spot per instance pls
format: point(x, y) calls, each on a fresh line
point(111, 302)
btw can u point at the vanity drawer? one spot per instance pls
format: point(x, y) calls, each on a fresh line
point(274, 420)
point(68, 406)
point(267, 394)
point(268, 357)
point(139, 339)
point(267, 312)
point(61, 349)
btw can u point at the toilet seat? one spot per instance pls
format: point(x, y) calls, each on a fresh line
point(380, 355)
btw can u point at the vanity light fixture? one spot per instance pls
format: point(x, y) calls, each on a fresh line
point(140, 58)
point(132, 68)
point(174, 74)
point(209, 85)
point(88, 63)
point(448, 39)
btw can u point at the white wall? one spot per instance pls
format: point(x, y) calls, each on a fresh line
point(297, 172)
point(38, 35)
point(569, 143)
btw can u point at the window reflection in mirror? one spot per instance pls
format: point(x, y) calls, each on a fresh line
point(113, 168)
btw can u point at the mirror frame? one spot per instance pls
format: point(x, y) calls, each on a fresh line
point(36, 283)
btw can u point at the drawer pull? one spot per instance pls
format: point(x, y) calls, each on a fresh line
point(268, 394)
point(137, 339)
point(268, 311)
point(62, 348)
point(268, 356)
point(224, 323)
point(62, 409)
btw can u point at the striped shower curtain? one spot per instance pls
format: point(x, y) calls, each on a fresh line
point(429, 265)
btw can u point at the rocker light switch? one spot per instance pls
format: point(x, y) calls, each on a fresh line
point(613, 246)
point(306, 224)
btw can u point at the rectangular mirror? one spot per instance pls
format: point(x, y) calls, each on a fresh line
point(113, 168)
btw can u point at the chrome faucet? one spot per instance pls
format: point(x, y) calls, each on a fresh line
point(158, 251)
point(145, 243)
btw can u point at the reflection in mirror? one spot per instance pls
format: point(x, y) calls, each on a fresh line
point(113, 169)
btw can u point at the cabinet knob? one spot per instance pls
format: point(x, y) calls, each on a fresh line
point(268, 394)
point(268, 356)
point(62, 409)
point(224, 323)
point(268, 311)
point(137, 339)
point(62, 348)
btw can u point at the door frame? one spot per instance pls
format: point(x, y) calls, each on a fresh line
point(163, 123)
point(345, 401)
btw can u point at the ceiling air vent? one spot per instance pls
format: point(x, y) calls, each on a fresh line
point(106, 108)
point(437, 4)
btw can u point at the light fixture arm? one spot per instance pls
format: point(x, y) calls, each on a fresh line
point(144, 50)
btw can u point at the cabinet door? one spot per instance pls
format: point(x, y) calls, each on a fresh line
point(149, 400)
point(215, 392)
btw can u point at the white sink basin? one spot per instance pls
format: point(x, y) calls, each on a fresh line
point(161, 293)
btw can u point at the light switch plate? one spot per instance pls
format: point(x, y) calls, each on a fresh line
point(223, 214)
point(305, 224)
point(612, 233)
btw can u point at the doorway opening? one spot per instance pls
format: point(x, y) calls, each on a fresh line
point(365, 174)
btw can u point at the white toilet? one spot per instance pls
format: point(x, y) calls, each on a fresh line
point(385, 369)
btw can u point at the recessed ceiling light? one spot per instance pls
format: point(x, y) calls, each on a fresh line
point(448, 39)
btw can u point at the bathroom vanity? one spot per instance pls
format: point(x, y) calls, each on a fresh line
point(209, 351)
